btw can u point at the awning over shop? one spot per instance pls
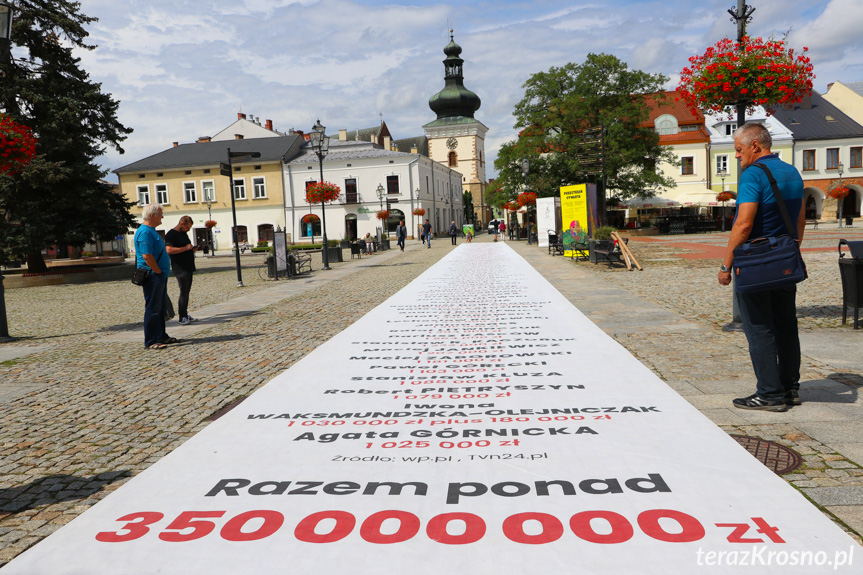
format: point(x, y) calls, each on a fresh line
point(648, 203)
point(703, 197)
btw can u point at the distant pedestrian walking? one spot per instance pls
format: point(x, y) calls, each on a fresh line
point(427, 232)
point(502, 231)
point(453, 233)
point(182, 252)
point(401, 234)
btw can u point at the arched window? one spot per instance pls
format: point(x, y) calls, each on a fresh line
point(265, 232)
point(453, 159)
point(666, 125)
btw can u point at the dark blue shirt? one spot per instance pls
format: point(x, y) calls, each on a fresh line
point(755, 187)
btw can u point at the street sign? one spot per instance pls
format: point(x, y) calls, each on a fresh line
point(225, 169)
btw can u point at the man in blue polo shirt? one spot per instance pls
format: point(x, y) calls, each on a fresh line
point(770, 316)
point(150, 253)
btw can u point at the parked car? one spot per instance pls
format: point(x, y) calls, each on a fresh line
point(493, 225)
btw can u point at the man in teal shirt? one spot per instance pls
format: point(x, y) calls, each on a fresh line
point(150, 253)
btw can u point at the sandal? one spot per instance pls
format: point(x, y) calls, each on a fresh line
point(171, 340)
point(157, 346)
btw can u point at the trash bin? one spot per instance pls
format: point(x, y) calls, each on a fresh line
point(851, 272)
point(849, 221)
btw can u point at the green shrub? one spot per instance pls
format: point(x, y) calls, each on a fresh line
point(603, 232)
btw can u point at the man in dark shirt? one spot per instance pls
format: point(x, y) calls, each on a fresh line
point(182, 253)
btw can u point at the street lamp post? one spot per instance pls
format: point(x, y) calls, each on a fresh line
point(381, 192)
point(839, 169)
point(6, 55)
point(210, 228)
point(321, 145)
point(228, 170)
point(722, 173)
point(525, 170)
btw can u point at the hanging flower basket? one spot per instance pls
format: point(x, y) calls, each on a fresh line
point(724, 196)
point(383, 214)
point(526, 199)
point(839, 193)
point(310, 219)
point(322, 192)
point(210, 224)
point(419, 212)
point(17, 145)
point(762, 73)
point(510, 206)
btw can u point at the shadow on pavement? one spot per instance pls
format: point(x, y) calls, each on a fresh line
point(217, 338)
point(54, 489)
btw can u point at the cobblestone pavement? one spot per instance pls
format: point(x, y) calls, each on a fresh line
point(90, 412)
point(103, 411)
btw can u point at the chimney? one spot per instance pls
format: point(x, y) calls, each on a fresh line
point(238, 136)
point(176, 144)
point(414, 149)
point(343, 135)
point(241, 116)
point(269, 125)
point(204, 139)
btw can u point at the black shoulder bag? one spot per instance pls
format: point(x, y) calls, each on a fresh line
point(772, 262)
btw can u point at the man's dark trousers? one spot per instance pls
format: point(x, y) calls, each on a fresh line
point(184, 281)
point(770, 323)
point(155, 289)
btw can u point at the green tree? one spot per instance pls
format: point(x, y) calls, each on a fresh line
point(467, 202)
point(562, 105)
point(58, 199)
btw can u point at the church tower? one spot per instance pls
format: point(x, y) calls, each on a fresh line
point(456, 138)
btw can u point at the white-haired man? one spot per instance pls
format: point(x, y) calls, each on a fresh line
point(150, 253)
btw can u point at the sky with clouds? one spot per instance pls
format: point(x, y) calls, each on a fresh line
point(183, 69)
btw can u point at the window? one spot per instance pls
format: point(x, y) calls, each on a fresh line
point(832, 158)
point(392, 185)
point(808, 160)
point(242, 234)
point(265, 232)
point(259, 188)
point(729, 129)
point(239, 189)
point(162, 194)
point(190, 193)
point(453, 159)
point(209, 190)
point(351, 191)
point(666, 125)
point(722, 164)
point(143, 195)
point(687, 165)
point(857, 157)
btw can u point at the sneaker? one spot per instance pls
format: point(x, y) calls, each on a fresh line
point(756, 401)
point(187, 320)
point(792, 397)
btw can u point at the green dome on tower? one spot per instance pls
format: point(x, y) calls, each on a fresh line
point(454, 100)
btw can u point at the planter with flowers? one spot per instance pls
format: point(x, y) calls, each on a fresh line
point(17, 146)
point(419, 212)
point(310, 219)
point(209, 224)
point(752, 72)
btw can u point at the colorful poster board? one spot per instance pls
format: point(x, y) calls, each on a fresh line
point(574, 216)
point(474, 423)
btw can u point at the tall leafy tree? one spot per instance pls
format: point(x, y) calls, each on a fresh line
point(467, 202)
point(558, 110)
point(58, 198)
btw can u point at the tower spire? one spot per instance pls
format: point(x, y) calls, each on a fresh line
point(454, 100)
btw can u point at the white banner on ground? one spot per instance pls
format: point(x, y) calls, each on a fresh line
point(474, 423)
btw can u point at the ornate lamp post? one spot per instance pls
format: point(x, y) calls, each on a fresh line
point(722, 173)
point(6, 55)
point(839, 169)
point(381, 192)
point(321, 145)
point(525, 170)
point(228, 170)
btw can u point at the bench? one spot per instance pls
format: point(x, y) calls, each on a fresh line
point(579, 251)
point(555, 247)
point(608, 251)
